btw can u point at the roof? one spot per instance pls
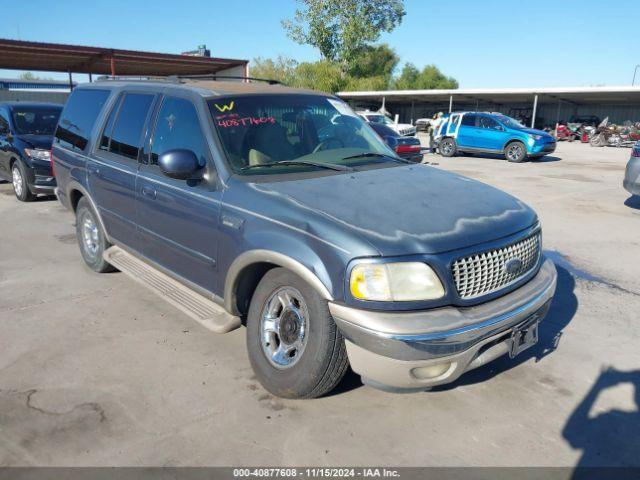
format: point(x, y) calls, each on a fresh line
point(206, 88)
point(31, 104)
point(620, 94)
point(21, 83)
point(53, 57)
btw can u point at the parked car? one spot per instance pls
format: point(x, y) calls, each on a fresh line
point(408, 148)
point(223, 198)
point(404, 129)
point(477, 132)
point(631, 181)
point(26, 132)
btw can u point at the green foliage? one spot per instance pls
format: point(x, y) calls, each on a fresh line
point(373, 61)
point(430, 77)
point(282, 69)
point(339, 28)
point(28, 76)
point(323, 75)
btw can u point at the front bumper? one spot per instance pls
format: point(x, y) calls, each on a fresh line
point(543, 148)
point(386, 347)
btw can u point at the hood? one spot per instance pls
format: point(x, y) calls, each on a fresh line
point(408, 209)
point(37, 141)
point(535, 131)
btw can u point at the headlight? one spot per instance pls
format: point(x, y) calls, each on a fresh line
point(535, 137)
point(395, 282)
point(38, 154)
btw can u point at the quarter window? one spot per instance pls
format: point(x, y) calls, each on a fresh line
point(129, 125)
point(79, 116)
point(178, 127)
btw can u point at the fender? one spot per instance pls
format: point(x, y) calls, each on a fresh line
point(256, 256)
point(75, 185)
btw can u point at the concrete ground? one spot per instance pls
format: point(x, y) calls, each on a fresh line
point(96, 370)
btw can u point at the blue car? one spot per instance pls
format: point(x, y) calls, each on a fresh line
point(495, 133)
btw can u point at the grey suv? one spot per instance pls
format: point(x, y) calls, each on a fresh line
point(280, 209)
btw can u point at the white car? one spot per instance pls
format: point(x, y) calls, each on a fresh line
point(404, 129)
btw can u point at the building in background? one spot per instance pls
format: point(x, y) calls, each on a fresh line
point(536, 106)
point(202, 51)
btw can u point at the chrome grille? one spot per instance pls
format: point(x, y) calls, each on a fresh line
point(486, 272)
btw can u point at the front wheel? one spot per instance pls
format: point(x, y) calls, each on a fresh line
point(447, 147)
point(19, 181)
point(294, 346)
point(516, 152)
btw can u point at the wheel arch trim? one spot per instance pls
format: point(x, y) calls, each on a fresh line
point(74, 185)
point(252, 257)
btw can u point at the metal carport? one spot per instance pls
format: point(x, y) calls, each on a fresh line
point(551, 104)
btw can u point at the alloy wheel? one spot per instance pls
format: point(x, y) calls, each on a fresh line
point(17, 180)
point(283, 327)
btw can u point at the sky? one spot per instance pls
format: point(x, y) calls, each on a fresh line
point(483, 44)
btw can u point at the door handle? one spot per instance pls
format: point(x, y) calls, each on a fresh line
point(93, 168)
point(149, 191)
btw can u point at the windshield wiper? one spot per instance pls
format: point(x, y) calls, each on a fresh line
point(329, 166)
point(377, 155)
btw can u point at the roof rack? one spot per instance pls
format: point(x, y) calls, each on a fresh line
point(179, 78)
point(226, 77)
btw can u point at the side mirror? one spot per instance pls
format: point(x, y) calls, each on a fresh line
point(391, 141)
point(181, 164)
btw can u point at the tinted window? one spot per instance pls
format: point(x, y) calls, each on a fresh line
point(178, 127)
point(35, 120)
point(79, 116)
point(127, 131)
point(469, 120)
point(4, 123)
point(106, 133)
point(487, 122)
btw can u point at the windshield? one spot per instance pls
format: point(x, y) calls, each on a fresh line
point(510, 122)
point(35, 121)
point(302, 132)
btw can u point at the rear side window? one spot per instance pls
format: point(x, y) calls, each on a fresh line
point(129, 124)
point(469, 120)
point(488, 122)
point(178, 127)
point(79, 116)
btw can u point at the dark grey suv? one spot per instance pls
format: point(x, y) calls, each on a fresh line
point(257, 204)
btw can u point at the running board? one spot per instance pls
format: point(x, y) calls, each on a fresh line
point(203, 310)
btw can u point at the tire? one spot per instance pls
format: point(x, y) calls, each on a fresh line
point(515, 152)
point(447, 147)
point(91, 238)
point(316, 358)
point(19, 181)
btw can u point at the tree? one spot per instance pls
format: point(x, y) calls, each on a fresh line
point(28, 76)
point(430, 77)
point(323, 75)
point(373, 61)
point(339, 28)
point(281, 69)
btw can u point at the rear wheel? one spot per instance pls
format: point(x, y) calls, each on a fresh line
point(515, 152)
point(91, 238)
point(294, 346)
point(447, 147)
point(19, 181)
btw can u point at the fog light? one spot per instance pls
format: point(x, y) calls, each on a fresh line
point(431, 371)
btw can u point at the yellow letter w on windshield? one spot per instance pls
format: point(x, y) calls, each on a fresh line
point(224, 108)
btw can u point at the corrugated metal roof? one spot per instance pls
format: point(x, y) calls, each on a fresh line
point(53, 57)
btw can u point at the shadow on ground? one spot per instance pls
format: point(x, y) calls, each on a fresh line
point(633, 202)
point(490, 156)
point(607, 439)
